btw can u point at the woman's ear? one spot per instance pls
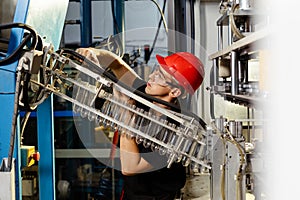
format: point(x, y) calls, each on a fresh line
point(175, 92)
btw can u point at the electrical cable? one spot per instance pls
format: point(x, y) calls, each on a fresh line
point(223, 6)
point(41, 94)
point(234, 28)
point(26, 80)
point(116, 26)
point(17, 52)
point(158, 28)
point(232, 140)
point(24, 123)
point(14, 122)
point(162, 15)
point(114, 16)
point(229, 138)
point(26, 101)
point(39, 98)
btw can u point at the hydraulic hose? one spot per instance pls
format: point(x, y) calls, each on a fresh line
point(232, 140)
point(234, 28)
point(17, 52)
point(159, 24)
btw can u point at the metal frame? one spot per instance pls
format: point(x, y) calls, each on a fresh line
point(56, 11)
point(46, 148)
point(7, 85)
point(44, 111)
point(86, 22)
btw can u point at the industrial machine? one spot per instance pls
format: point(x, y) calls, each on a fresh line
point(17, 36)
point(237, 77)
point(37, 69)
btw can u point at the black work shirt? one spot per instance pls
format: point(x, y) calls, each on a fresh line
point(154, 184)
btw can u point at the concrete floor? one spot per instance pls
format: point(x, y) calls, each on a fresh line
point(197, 187)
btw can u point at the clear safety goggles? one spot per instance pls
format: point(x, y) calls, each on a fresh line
point(159, 77)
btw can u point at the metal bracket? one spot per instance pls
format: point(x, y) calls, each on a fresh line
point(31, 61)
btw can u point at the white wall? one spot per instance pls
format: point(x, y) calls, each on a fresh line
point(209, 14)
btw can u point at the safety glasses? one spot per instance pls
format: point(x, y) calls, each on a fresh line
point(159, 77)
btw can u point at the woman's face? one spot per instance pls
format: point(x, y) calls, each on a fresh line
point(159, 83)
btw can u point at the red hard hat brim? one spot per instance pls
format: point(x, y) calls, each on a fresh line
point(165, 66)
point(161, 61)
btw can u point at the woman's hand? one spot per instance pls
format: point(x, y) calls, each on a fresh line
point(89, 54)
point(108, 59)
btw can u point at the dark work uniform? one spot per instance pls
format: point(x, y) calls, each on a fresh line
point(161, 184)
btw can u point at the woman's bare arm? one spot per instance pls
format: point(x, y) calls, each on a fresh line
point(131, 160)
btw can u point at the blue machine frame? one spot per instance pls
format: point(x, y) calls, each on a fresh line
point(35, 13)
point(7, 88)
point(47, 18)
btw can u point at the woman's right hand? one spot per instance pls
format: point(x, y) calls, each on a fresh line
point(107, 59)
point(89, 54)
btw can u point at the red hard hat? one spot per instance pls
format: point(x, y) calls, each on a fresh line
point(186, 68)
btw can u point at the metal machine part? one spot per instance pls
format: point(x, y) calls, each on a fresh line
point(184, 142)
point(29, 186)
point(217, 171)
point(232, 158)
point(7, 182)
point(235, 127)
point(247, 4)
point(234, 173)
